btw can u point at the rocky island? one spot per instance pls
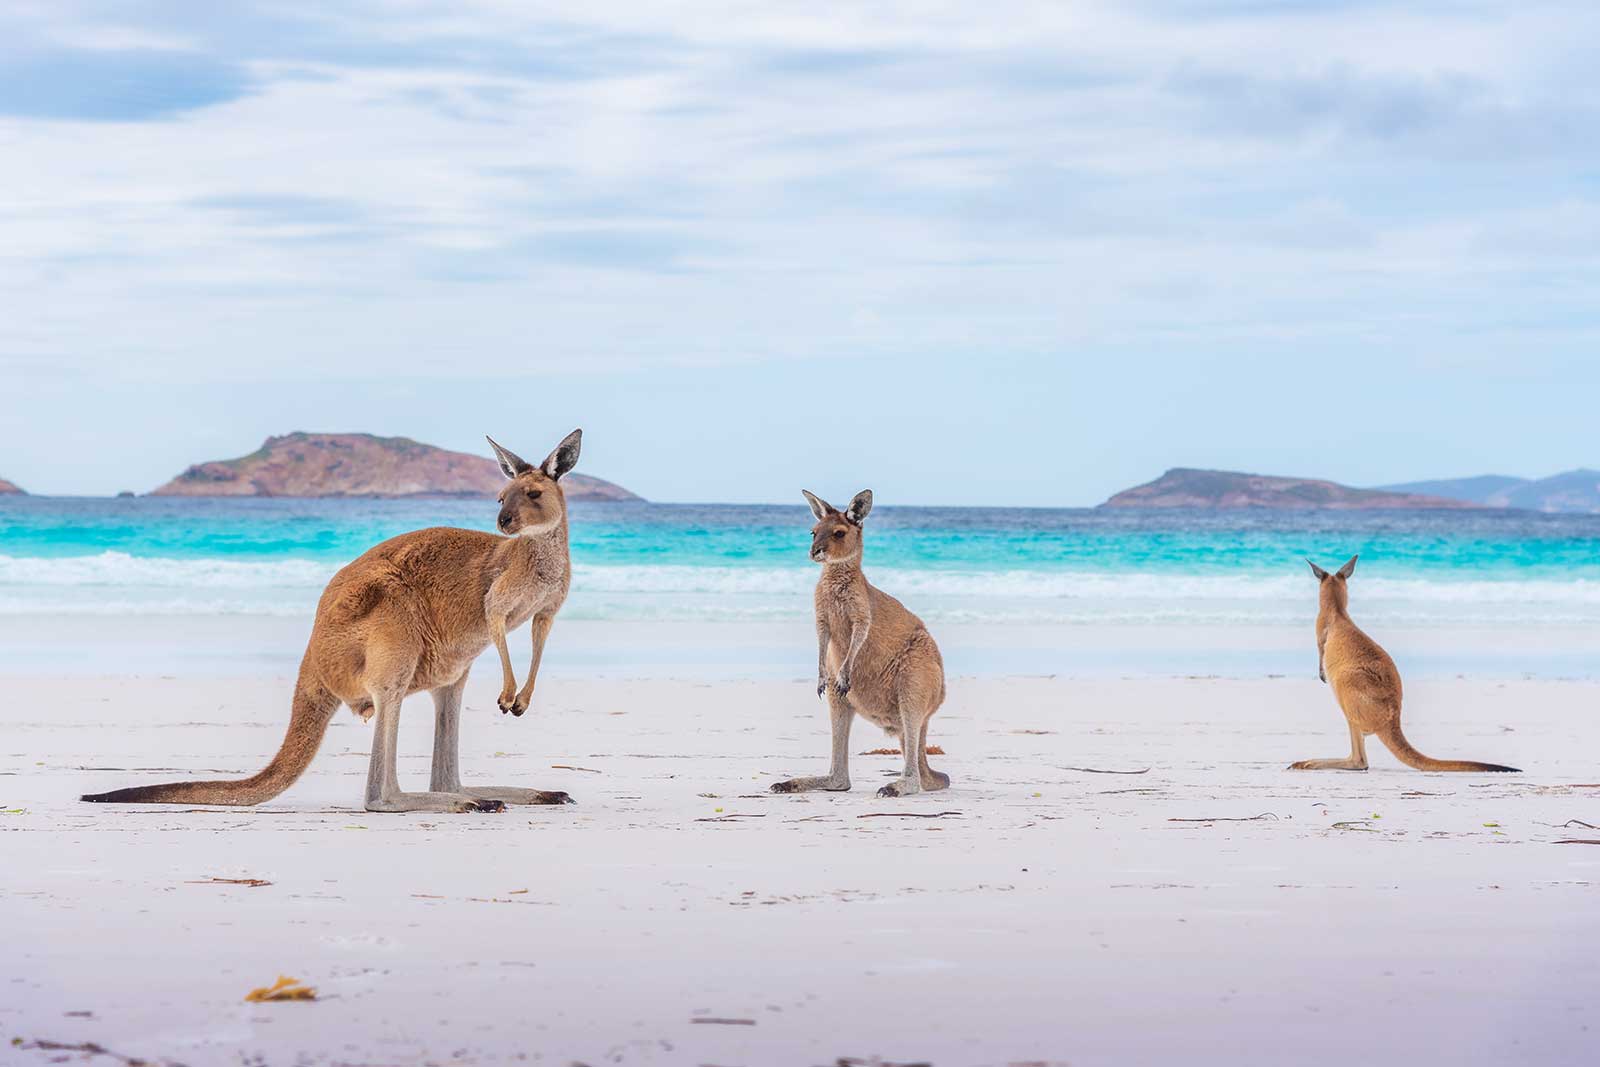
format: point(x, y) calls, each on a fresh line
point(361, 465)
point(11, 489)
point(1183, 487)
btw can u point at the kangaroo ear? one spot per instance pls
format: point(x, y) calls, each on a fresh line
point(565, 456)
point(819, 507)
point(857, 511)
point(1349, 568)
point(510, 463)
point(1321, 574)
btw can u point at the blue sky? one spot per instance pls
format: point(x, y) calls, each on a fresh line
point(1009, 253)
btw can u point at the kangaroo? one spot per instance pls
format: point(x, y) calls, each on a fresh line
point(874, 658)
point(411, 614)
point(1366, 684)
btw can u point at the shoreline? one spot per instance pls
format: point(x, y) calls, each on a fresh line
point(271, 646)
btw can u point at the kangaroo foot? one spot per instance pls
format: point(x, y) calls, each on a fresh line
point(935, 780)
point(806, 785)
point(901, 787)
point(1345, 764)
point(512, 795)
point(444, 802)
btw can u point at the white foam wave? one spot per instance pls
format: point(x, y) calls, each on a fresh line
point(119, 583)
point(122, 569)
point(1083, 585)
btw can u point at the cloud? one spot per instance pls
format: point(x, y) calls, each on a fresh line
point(115, 85)
point(1448, 115)
point(283, 209)
point(752, 182)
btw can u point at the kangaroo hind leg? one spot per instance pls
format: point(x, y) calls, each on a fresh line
point(1357, 760)
point(840, 716)
point(914, 714)
point(931, 779)
point(447, 757)
point(383, 781)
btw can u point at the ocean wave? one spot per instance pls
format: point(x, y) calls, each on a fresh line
point(119, 583)
point(1083, 585)
point(122, 569)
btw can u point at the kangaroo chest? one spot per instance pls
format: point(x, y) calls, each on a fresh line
point(542, 594)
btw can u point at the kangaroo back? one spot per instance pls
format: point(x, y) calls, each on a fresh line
point(1403, 751)
point(308, 721)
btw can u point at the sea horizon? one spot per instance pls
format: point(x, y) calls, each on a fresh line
point(1194, 577)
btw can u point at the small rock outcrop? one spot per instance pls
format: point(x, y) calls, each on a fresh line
point(1184, 487)
point(360, 465)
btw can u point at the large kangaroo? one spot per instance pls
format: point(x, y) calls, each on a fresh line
point(874, 658)
point(1366, 684)
point(411, 614)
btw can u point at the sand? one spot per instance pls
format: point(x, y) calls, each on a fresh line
point(680, 914)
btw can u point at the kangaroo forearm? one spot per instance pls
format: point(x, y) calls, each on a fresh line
point(541, 631)
point(858, 638)
point(823, 638)
point(497, 630)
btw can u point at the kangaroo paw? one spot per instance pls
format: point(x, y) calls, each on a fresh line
point(506, 794)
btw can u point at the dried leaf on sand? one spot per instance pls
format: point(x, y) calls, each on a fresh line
point(284, 988)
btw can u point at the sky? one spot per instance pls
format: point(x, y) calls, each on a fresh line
point(998, 253)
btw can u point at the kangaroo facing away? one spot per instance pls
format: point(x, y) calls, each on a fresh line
point(1366, 684)
point(874, 658)
point(411, 614)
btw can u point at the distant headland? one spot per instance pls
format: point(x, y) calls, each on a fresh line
point(1570, 491)
point(11, 489)
point(360, 465)
point(1184, 487)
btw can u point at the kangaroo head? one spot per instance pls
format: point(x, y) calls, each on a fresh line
point(836, 538)
point(532, 500)
point(1335, 589)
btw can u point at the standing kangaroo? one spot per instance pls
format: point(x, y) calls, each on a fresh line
point(411, 614)
point(1366, 684)
point(880, 660)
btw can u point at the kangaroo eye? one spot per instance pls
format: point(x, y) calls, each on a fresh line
point(838, 535)
point(534, 494)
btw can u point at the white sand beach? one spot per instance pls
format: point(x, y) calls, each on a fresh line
point(1037, 912)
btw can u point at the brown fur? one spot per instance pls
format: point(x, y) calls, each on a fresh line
point(874, 657)
point(408, 615)
point(1366, 684)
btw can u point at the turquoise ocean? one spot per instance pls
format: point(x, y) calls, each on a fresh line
point(689, 562)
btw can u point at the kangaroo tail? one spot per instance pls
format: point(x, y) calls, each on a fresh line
point(1397, 743)
point(313, 710)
